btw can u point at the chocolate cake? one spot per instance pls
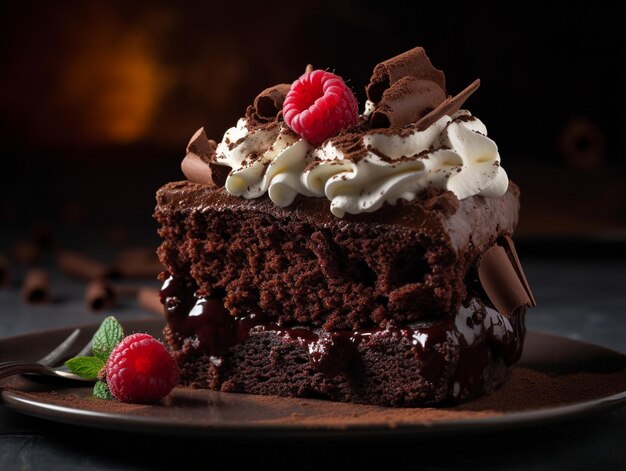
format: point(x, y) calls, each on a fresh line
point(365, 259)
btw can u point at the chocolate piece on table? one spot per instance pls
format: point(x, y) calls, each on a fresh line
point(36, 286)
point(99, 295)
point(414, 63)
point(502, 282)
point(450, 106)
point(406, 101)
point(269, 102)
point(5, 271)
point(82, 266)
point(150, 300)
point(138, 263)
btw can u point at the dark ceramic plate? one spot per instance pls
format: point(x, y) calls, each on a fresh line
point(556, 379)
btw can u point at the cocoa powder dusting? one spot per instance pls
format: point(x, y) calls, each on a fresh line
point(526, 390)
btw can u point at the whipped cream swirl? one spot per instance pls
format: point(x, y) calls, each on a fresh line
point(358, 173)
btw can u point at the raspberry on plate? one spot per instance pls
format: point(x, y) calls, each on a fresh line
point(140, 369)
point(319, 105)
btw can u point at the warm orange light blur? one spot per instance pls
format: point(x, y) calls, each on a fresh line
point(116, 84)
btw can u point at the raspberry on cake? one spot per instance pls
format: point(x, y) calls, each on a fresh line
point(314, 252)
point(319, 105)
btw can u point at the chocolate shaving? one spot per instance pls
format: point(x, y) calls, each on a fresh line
point(199, 165)
point(36, 286)
point(508, 244)
point(196, 170)
point(270, 101)
point(450, 106)
point(414, 63)
point(99, 295)
point(201, 145)
point(406, 101)
point(150, 300)
point(503, 279)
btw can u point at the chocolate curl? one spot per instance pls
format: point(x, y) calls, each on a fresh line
point(201, 145)
point(99, 295)
point(270, 101)
point(196, 170)
point(197, 165)
point(406, 101)
point(503, 279)
point(448, 107)
point(36, 286)
point(5, 271)
point(508, 244)
point(414, 63)
point(138, 263)
point(82, 266)
point(150, 300)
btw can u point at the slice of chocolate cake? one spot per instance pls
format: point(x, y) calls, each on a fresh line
point(317, 252)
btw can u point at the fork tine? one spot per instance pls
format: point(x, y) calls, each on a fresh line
point(59, 352)
point(87, 350)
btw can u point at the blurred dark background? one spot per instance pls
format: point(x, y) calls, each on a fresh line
point(98, 99)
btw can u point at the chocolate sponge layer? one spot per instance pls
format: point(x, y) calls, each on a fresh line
point(303, 265)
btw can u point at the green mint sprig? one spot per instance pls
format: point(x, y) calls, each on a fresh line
point(108, 335)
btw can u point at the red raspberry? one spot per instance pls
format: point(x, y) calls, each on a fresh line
point(140, 369)
point(319, 105)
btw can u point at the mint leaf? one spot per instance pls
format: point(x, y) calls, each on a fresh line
point(101, 390)
point(108, 335)
point(85, 367)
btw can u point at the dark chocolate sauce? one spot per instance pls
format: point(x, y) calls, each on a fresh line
point(477, 331)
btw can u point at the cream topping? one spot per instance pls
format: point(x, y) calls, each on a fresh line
point(453, 154)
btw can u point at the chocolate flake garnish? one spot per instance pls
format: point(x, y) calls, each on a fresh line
point(196, 170)
point(199, 166)
point(270, 101)
point(201, 145)
point(508, 244)
point(503, 279)
point(414, 63)
point(406, 101)
point(448, 107)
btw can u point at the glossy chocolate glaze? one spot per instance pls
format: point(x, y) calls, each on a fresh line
point(477, 332)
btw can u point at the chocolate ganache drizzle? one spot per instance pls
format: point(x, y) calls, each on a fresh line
point(478, 333)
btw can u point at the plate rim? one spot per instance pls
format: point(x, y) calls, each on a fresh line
point(20, 402)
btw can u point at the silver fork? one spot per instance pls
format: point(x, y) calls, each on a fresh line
point(45, 365)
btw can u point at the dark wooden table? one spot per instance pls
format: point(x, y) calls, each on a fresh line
point(579, 298)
